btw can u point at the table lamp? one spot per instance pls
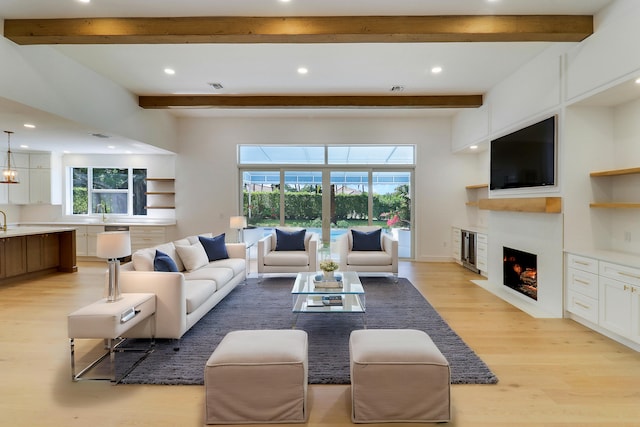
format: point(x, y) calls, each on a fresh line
point(113, 245)
point(238, 222)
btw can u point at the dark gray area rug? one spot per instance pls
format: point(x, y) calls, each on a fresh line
point(267, 305)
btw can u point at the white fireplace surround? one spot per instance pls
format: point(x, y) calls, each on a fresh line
point(539, 234)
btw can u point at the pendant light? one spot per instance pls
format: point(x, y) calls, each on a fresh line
point(9, 174)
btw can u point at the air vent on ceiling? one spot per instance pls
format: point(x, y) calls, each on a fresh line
point(216, 86)
point(99, 135)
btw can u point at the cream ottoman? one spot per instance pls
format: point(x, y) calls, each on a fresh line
point(257, 377)
point(397, 375)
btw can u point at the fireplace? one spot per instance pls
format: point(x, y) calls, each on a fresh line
point(520, 271)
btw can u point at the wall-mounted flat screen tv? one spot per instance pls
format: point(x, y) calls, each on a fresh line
point(525, 158)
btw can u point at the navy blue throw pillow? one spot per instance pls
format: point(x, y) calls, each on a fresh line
point(163, 262)
point(290, 240)
point(366, 240)
point(214, 247)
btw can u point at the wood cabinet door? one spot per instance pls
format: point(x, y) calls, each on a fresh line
point(50, 250)
point(15, 255)
point(3, 272)
point(34, 253)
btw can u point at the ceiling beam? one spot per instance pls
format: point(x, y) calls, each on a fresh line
point(320, 101)
point(320, 29)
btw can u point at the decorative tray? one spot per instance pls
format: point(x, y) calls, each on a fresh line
point(320, 282)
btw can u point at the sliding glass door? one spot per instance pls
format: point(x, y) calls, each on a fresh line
point(323, 191)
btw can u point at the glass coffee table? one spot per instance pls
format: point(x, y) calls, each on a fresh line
point(310, 297)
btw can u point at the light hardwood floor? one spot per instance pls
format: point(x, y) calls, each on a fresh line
point(552, 372)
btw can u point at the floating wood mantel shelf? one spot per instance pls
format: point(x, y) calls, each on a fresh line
point(476, 186)
point(524, 204)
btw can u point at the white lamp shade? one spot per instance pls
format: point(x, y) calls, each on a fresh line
point(238, 222)
point(113, 244)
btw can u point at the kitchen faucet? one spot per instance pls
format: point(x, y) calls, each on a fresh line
point(4, 223)
point(102, 207)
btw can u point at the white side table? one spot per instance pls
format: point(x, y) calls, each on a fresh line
point(110, 321)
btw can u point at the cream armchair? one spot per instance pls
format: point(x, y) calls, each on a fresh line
point(384, 260)
point(279, 256)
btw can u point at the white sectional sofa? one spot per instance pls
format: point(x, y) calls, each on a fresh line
point(183, 297)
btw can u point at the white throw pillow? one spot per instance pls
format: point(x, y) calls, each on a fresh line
point(193, 257)
point(143, 259)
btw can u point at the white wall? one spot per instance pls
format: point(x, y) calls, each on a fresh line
point(43, 78)
point(626, 153)
point(207, 181)
point(607, 56)
point(588, 142)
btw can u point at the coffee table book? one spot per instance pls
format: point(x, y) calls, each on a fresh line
point(320, 282)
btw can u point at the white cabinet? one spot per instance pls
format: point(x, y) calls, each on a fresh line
point(86, 239)
point(44, 178)
point(81, 240)
point(142, 236)
point(40, 186)
point(4, 194)
point(146, 236)
point(619, 299)
point(456, 239)
point(40, 180)
point(17, 194)
point(92, 238)
point(606, 294)
point(615, 306)
point(582, 287)
point(39, 161)
point(482, 245)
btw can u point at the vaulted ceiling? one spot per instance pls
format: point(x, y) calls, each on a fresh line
point(242, 57)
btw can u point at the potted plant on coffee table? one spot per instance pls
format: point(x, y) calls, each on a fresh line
point(328, 266)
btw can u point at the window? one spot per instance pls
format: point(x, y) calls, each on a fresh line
point(326, 154)
point(119, 191)
point(329, 188)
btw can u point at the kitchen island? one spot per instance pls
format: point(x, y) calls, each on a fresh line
point(27, 252)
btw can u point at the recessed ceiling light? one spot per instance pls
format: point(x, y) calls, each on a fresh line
point(66, 151)
point(111, 146)
point(302, 70)
point(285, 1)
point(436, 70)
point(84, 1)
point(29, 125)
point(24, 146)
point(638, 80)
point(473, 147)
point(169, 71)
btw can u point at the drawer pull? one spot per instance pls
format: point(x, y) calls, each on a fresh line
point(579, 304)
point(583, 282)
point(633, 276)
point(581, 262)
